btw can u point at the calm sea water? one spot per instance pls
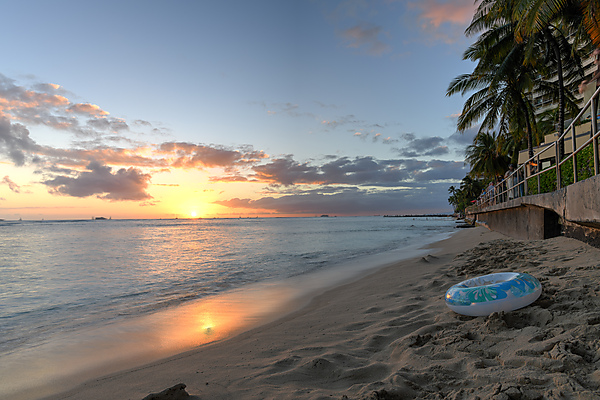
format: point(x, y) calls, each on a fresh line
point(77, 296)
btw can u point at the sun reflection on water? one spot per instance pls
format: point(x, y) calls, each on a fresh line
point(76, 357)
point(217, 318)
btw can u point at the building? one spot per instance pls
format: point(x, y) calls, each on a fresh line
point(546, 152)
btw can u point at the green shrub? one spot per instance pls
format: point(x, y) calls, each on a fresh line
point(585, 169)
point(547, 182)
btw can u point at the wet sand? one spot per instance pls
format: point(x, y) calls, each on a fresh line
point(389, 335)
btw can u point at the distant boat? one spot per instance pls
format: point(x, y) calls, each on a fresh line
point(325, 216)
point(100, 218)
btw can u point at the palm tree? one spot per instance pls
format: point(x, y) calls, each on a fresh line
point(522, 45)
point(485, 157)
point(469, 190)
point(536, 15)
point(500, 79)
point(512, 143)
point(560, 54)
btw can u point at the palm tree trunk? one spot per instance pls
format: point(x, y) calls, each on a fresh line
point(561, 92)
point(529, 136)
point(529, 129)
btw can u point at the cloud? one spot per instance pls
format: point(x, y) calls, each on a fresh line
point(436, 13)
point(287, 108)
point(47, 104)
point(375, 138)
point(438, 170)
point(50, 88)
point(286, 171)
point(11, 185)
point(17, 145)
point(105, 155)
point(352, 201)
point(15, 141)
point(444, 20)
point(359, 171)
point(366, 37)
point(466, 137)
point(353, 125)
point(94, 166)
point(86, 109)
point(108, 124)
point(190, 155)
point(98, 179)
point(290, 109)
point(428, 146)
point(364, 171)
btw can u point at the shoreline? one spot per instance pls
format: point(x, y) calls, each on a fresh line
point(389, 332)
point(75, 357)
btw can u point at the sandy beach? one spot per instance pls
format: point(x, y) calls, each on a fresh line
point(389, 335)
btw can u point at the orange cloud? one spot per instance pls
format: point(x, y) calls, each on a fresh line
point(87, 108)
point(37, 99)
point(456, 12)
point(190, 155)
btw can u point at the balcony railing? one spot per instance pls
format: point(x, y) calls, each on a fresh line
point(517, 184)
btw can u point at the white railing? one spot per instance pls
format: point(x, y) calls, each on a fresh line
point(516, 184)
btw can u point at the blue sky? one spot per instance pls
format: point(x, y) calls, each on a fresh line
point(314, 102)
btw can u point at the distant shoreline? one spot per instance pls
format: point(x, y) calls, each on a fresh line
point(226, 218)
point(420, 216)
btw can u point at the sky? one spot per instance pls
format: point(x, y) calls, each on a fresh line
point(222, 108)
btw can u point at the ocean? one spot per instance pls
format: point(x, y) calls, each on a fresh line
point(89, 296)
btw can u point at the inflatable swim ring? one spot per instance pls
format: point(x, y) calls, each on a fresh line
point(483, 295)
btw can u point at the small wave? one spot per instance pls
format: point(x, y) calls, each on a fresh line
point(133, 294)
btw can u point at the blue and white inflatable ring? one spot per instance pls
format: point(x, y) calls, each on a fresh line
point(483, 295)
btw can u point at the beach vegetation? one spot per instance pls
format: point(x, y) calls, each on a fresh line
point(555, 32)
point(462, 197)
point(501, 80)
point(486, 156)
point(585, 169)
point(528, 53)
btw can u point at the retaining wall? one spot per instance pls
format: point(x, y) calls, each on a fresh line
point(573, 211)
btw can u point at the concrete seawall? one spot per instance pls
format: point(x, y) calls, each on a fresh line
point(573, 211)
